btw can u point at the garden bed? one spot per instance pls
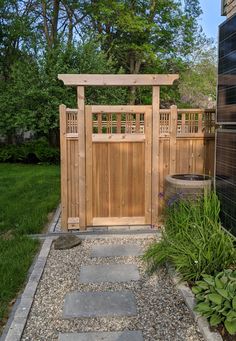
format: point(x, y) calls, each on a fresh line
point(203, 255)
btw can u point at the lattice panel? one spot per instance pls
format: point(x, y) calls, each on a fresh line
point(133, 123)
point(165, 122)
point(71, 122)
point(118, 123)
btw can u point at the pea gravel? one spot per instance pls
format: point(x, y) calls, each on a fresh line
point(162, 313)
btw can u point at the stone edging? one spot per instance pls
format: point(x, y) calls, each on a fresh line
point(189, 299)
point(18, 317)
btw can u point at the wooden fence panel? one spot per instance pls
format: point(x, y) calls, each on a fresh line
point(186, 145)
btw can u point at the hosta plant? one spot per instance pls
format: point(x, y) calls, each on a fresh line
point(216, 299)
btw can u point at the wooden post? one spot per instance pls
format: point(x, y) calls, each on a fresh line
point(155, 152)
point(173, 133)
point(148, 163)
point(82, 178)
point(64, 177)
point(89, 170)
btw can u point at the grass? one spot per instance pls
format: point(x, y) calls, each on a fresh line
point(28, 194)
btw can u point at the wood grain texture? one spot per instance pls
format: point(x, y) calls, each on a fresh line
point(148, 166)
point(89, 163)
point(118, 80)
point(82, 178)
point(155, 152)
point(173, 135)
point(117, 170)
point(63, 155)
point(116, 221)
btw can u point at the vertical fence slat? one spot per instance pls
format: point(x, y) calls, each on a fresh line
point(118, 127)
point(82, 178)
point(173, 133)
point(137, 123)
point(64, 189)
point(200, 115)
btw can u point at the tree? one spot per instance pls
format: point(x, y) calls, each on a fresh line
point(198, 81)
point(137, 34)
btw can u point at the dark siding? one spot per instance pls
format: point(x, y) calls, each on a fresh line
point(226, 176)
point(226, 101)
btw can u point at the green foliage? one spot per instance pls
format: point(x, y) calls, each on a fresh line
point(216, 299)
point(39, 42)
point(198, 80)
point(193, 240)
point(139, 33)
point(34, 151)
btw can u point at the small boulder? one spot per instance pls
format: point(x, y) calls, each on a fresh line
point(66, 242)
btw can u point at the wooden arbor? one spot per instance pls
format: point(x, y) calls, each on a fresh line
point(116, 156)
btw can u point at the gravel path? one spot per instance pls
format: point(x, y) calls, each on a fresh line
point(162, 314)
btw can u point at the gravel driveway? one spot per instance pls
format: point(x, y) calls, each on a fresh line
point(162, 314)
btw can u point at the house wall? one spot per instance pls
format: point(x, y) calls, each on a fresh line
point(228, 7)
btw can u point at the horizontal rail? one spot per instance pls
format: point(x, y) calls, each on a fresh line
point(118, 137)
point(120, 108)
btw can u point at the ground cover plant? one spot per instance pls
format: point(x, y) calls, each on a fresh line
point(200, 250)
point(216, 299)
point(28, 194)
point(193, 240)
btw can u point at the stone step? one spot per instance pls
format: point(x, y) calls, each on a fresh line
point(109, 273)
point(116, 250)
point(95, 304)
point(102, 336)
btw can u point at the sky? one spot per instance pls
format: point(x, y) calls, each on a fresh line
point(211, 17)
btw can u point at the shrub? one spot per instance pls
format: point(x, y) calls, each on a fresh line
point(34, 151)
point(193, 240)
point(216, 299)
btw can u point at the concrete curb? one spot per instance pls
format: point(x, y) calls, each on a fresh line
point(189, 299)
point(100, 234)
point(18, 317)
point(55, 219)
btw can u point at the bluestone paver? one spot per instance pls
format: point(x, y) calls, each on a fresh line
point(109, 273)
point(103, 336)
point(94, 304)
point(117, 250)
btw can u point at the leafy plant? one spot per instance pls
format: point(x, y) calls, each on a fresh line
point(193, 240)
point(30, 152)
point(216, 299)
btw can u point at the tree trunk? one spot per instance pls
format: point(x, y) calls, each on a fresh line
point(56, 4)
point(134, 69)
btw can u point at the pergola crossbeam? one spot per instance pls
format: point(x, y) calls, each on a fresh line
point(117, 80)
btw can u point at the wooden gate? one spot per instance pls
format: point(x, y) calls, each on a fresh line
point(118, 165)
point(110, 155)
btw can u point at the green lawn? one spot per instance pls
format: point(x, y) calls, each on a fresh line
point(28, 194)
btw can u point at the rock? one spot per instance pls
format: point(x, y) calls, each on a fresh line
point(66, 242)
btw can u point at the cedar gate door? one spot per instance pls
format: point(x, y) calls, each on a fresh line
point(118, 165)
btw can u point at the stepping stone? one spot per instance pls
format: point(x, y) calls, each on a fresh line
point(116, 250)
point(102, 336)
point(95, 304)
point(109, 273)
